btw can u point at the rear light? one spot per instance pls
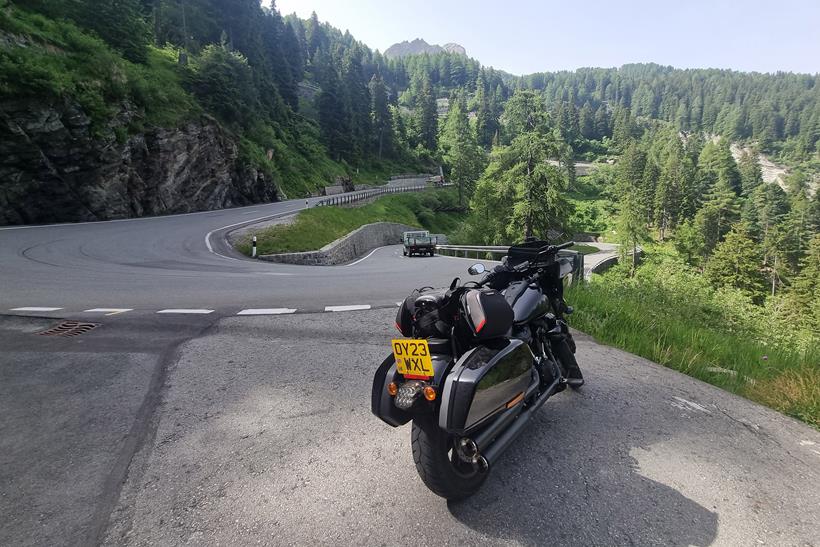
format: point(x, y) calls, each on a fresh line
point(476, 311)
point(398, 327)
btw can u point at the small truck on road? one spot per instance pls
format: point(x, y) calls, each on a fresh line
point(419, 243)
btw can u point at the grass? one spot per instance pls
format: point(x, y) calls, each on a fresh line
point(54, 59)
point(669, 316)
point(315, 228)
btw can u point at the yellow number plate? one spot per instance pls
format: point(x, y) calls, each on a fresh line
point(413, 357)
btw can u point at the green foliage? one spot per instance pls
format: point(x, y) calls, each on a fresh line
point(670, 314)
point(223, 83)
point(460, 151)
point(120, 23)
point(736, 263)
point(315, 228)
point(56, 61)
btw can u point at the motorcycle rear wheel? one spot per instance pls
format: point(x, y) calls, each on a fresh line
point(438, 464)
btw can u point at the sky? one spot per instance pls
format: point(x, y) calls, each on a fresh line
point(525, 36)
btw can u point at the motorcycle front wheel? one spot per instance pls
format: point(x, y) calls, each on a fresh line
point(438, 464)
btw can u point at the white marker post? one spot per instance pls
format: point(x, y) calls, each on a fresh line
point(253, 249)
point(307, 205)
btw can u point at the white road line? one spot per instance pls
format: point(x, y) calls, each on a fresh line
point(364, 257)
point(251, 221)
point(348, 308)
point(183, 310)
point(109, 311)
point(267, 311)
point(34, 308)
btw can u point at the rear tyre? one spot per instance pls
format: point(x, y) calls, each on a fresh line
point(438, 464)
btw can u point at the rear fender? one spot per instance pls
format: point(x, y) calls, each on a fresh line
point(381, 403)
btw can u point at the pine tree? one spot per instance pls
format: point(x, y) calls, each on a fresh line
point(380, 116)
point(803, 296)
point(426, 116)
point(750, 174)
point(736, 263)
point(602, 124)
point(461, 153)
point(586, 121)
point(632, 212)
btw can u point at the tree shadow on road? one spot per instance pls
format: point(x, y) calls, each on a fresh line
point(571, 479)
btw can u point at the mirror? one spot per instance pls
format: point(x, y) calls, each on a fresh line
point(476, 269)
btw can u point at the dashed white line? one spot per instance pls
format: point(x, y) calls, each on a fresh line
point(109, 311)
point(267, 311)
point(348, 308)
point(187, 311)
point(34, 308)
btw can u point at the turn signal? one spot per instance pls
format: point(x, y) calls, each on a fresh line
point(392, 389)
point(430, 393)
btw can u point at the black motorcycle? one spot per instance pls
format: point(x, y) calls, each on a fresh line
point(479, 359)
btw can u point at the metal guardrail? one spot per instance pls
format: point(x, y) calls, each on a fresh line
point(495, 252)
point(359, 195)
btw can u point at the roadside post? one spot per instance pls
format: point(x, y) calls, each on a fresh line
point(306, 204)
point(253, 249)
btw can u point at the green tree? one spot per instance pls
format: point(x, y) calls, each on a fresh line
point(224, 85)
point(426, 116)
point(803, 296)
point(750, 174)
point(632, 211)
point(380, 117)
point(463, 156)
point(736, 263)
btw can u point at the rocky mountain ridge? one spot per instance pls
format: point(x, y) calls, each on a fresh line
point(420, 46)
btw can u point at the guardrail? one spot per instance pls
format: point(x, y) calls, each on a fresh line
point(359, 195)
point(495, 252)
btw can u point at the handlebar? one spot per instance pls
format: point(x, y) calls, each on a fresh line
point(527, 264)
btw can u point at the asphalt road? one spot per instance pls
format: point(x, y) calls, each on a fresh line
point(213, 428)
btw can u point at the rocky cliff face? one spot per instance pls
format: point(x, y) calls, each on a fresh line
point(53, 168)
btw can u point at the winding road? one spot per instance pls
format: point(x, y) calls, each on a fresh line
point(221, 400)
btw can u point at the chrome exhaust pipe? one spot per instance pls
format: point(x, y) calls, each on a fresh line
point(505, 439)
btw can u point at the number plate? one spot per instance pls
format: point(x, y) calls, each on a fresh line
point(413, 357)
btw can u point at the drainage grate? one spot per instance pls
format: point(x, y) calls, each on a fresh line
point(69, 328)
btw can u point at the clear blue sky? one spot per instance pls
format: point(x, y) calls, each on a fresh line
point(524, 36)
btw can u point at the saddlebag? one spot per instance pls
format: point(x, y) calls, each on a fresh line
point(486, 380)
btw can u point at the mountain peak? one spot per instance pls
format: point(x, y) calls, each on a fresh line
point(420, 46)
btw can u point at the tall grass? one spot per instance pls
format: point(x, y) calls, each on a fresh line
point(669, 315)
point(315, 228)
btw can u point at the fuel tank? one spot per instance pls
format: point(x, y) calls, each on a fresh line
point(527, 302)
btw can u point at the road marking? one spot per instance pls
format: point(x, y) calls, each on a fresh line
point(365, 257)
point(267, 311)
point(109, 311)
point(251, 221)
point(33, 308)
point(183, 310)
point(348, 308)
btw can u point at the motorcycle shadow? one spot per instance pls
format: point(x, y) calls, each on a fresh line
point(572, 479)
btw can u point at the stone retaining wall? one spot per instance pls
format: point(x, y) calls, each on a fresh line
point(347, 248)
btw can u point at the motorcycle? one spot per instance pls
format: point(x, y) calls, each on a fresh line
point(478, 360)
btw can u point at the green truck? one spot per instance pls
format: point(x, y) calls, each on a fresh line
point(419, 243)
